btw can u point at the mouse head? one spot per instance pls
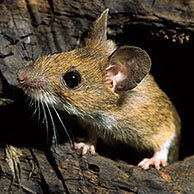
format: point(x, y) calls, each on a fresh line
point(88, 79)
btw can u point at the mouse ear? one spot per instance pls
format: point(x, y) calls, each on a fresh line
point(127, 66)
point(98, 34)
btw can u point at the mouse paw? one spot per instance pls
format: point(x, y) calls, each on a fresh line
point(85, 148)
point(157, 161)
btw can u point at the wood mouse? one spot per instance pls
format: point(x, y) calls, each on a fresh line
point(111, 92)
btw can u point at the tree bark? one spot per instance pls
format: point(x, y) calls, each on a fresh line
point(32, 28)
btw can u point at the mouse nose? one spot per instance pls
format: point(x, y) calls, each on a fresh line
point(21, 77)
point(29, 78)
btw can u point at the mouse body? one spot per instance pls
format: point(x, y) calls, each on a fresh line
point(112, 94)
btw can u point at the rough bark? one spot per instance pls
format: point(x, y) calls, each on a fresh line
point(32, 28)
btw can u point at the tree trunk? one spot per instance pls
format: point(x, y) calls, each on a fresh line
point(32, 28)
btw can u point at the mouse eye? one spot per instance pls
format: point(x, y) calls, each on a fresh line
point(72, 79)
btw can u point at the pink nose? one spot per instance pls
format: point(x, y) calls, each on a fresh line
point(29, 78)
point(21, 77)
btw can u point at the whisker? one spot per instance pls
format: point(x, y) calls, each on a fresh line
point(35, 109)
point(29, 101)
point(45, 120)
point(54, 141)
point(70, 139)
point(39, 109)
point(32, 102)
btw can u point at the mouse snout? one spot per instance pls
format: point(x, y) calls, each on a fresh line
point(28, 78)
point(21, 77)
point(24, 76)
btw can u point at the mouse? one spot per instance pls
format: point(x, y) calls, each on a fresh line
point(111, 92)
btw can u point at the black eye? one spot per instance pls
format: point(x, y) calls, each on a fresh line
point(72, 79)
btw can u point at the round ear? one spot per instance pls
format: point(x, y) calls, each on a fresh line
point(127, 66)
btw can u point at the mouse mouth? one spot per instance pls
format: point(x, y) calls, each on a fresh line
point(41, 96)
point(44, 97)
